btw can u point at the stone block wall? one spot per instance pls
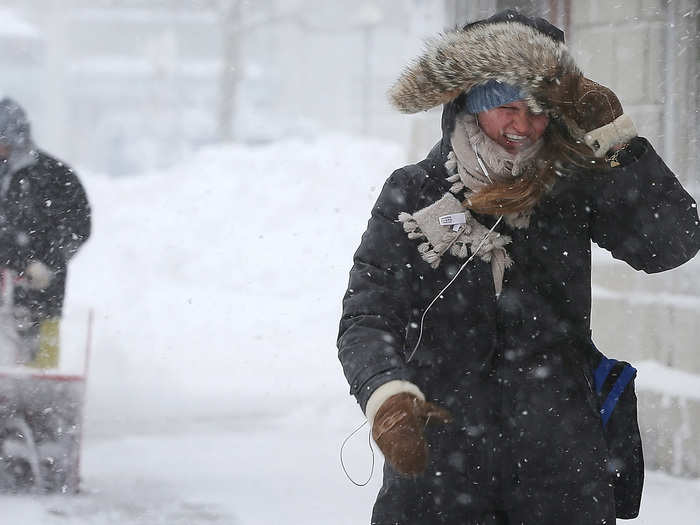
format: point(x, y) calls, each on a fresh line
point(647, 52)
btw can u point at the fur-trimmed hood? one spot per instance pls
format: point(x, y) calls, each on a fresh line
point(508, 47)
point(513, 51)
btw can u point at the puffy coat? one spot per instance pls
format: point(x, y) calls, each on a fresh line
point(44, 216)
point(526, 444)
point(515, 371)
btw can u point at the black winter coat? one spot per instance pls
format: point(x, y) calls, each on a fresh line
point(514, 371)
point(44, 216)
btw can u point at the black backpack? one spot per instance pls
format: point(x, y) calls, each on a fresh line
point(617, 402)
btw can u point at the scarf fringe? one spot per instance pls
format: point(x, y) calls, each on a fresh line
point(427, 252)
point(456, 188)
point(458, 243)
point(466, 177)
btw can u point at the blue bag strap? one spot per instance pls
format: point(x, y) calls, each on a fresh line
point(626, 376)
point(601, 373)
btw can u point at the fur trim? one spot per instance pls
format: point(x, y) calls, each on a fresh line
point(456, 61)
point(606, 137)
point(385, 391)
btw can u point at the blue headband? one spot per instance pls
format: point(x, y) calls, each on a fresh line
point(491, 95)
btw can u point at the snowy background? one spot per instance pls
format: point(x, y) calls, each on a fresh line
point(214, 394)
point(220, 253)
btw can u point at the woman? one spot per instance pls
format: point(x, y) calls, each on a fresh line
point(534, 163)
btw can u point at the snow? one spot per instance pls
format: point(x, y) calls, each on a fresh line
point(214, 394)
point(655, 377)
point(120, 66)
point(14, 26)
point(686, 301)
point(142, 16)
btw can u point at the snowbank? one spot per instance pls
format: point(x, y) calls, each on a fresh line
point(217, 284)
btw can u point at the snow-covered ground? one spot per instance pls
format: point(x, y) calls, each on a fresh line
point(214, 394)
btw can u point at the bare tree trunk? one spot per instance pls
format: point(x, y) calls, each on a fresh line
point(230, 68)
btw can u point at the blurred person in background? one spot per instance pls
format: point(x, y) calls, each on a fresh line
point(44, 219)
point(465, 333)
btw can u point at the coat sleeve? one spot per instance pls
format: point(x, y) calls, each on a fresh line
point(378, 303)
point(67, 222)
point(53, 224)
point(640, 212)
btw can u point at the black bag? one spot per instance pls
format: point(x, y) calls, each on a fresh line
point(617, 402)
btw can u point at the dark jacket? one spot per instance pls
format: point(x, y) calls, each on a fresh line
point(44, 216)
point(638, 211)
point(516, 372)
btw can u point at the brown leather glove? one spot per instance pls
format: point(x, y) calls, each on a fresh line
point(588, 104)
point(586, 107)
point(398, 431)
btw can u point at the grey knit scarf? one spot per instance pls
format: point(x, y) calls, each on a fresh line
point(447, 224)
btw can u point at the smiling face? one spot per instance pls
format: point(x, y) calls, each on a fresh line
point(512, 126)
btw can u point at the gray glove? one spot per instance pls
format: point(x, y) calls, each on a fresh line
point(37, 275)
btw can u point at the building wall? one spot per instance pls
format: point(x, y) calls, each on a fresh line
point(337, 60)
point(127, 84)
point(647, 52)
point(118, 87)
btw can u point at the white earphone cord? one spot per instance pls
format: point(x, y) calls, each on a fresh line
point(420, 336)
point(474, 252)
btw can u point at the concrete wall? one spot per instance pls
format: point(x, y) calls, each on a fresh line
point(647, 52)
point(126, 84)
point(670, 429)
point(353, 52)
point(118, 87)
